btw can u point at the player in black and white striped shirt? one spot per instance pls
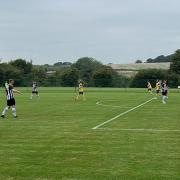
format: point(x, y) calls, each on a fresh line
point(34, 90)
point(9, 88)
point(164, 88)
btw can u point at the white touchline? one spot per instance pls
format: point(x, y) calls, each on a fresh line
point(106, 105)
point(150, 130)
point(122, 114)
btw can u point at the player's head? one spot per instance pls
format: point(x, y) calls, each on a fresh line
point(81, 81)
point(34, 83)
point(157, 80)
point(11, 81)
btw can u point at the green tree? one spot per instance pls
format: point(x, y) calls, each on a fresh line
point(87, 66)
point(160, 59)
point(51, 80)
point(103, 77)
point(23, 65)
point(138, 61)
point(141, 78)
point(39, 75)
point(173, 80)
point(175, 62)
point(70, 77)
point(7, 71)
point(121, 81)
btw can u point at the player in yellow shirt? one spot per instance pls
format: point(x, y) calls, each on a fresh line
point(81, 91)
point(149, 86)
point(158, 87)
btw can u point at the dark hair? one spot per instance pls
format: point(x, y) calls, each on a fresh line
point(10, 80)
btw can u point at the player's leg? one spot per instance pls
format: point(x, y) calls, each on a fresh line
point(156, 92)
point(13, 106)
point(14, 111)
point(150, 91)
point(83, 96)
point(164, 98)
point(5, 111)
point(77, 97)
point(31, 95)
point(37, 94)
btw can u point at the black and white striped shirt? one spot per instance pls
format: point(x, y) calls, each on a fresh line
point(34, 87)
point(9, 92)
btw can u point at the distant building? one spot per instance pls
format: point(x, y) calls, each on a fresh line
point(130, 70)
point(49, 73)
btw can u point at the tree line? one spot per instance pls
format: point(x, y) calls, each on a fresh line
point(91, 71)
point(158, 59)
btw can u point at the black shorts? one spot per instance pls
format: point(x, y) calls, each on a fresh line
point(34, 92)
point(164, 93)
point(11, 102)
point(157, 91)
point(149, 89)
point(81, 93)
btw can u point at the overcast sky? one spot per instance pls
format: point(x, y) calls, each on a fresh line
point(116, 31)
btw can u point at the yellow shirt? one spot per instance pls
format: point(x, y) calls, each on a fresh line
point(157, 86)
point(81, 88)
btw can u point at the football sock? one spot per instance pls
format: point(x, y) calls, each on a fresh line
point(5, 111)
point(164, 99)
point(14, 112)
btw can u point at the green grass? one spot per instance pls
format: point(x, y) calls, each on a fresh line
point(53, 137)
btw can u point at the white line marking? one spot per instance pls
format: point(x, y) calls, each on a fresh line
point(150, 130)
point(106, 105)
point(122, 114)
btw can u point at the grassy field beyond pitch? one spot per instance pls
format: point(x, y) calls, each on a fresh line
point(53, 136)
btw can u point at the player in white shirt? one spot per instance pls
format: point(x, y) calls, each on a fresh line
point(164, 88)
point(34, 90)
point(11, 103)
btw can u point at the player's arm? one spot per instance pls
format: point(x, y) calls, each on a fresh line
point(16, 91)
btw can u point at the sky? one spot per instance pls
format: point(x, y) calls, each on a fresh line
point(111, 31)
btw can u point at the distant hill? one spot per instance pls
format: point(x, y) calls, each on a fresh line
point(130, 70)
point(160, 59)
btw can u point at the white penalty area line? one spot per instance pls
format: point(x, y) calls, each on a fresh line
point(122, 114)
point(149, 130)
point(105, 105)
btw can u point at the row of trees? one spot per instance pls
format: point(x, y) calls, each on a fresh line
point(158, 59)
point(172, 75)
point(93, 72)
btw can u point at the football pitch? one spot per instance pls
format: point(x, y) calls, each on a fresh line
point(114, 134)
